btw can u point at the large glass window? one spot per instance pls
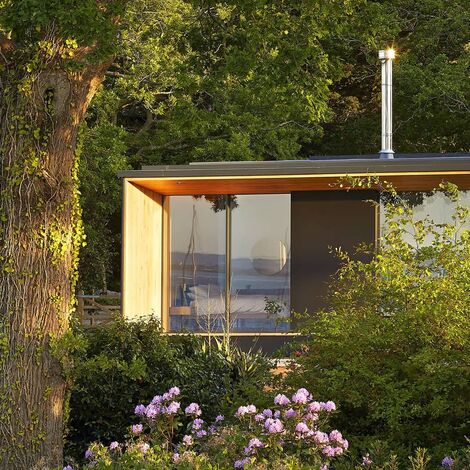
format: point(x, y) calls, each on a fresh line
point(435, 206)
point(230, 263)
point(197, 264)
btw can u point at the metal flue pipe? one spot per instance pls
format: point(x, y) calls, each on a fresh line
point(386, 57)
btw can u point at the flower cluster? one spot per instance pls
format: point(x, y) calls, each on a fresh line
point(292, 426)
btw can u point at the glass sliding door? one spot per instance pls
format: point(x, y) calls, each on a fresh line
point(197, 264)
point(260, 264)
point(230, 263)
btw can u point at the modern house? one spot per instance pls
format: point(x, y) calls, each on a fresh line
point(235, 247)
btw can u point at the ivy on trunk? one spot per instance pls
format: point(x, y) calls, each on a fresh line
point(47, 79)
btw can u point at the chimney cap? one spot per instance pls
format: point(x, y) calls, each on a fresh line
point(387, 53)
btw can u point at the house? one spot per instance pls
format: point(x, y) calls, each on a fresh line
point(235, 247)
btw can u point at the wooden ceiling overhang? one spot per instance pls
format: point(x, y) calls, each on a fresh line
point(405, 174)
point(279, 184)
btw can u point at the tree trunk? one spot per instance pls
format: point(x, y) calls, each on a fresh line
point(40, 115)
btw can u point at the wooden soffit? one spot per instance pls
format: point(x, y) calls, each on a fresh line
point(277, 184)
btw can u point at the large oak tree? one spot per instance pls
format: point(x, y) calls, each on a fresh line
point(53, 58)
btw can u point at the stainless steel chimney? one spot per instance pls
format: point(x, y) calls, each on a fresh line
point(386, 57)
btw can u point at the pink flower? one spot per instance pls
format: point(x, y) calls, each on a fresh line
point(193, 409)
point(187, 440)
point(219, 418)
point(281, 399)
point(290, 413)
point(140, 410)
point(320, 438)
point(241, 463)
point(176, 457)
point(300, 397)
point(144, 447)
point(259, 417)
point(114, 445)
point(172, 408)
point(302, 428)
point(314, 407)
point(328, 406)
point(268, 413)
point(137, 428)
point(273, 426)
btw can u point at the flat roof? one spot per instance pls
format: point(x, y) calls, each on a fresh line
point(411, 172)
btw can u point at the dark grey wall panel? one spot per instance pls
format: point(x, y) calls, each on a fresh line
point(320, 220)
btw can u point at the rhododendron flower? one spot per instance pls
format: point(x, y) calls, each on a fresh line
point(201, 433)
point(156, 400)
point(314, 407)
point(253, 445)
point(323, 466)
point(151, 411)
point(193, 409)
point(197, 424)
point(68, 467)
point(140, 410)
point(320, 437)
point(241, 463)
point(89, 454)
point(273, 425)
point(114, 445)
point(447, 461)
point(268, 413)
point(328, 451)
point(187, 440)
point(174, 391)
point(336, 435)
point(302, 428)
point(281, 399)
point(176, 457)
point(277, 414)
point(299, 397)
point(243, 410)
point(137, 428)
point(290, 413)
point(172, 408)
point(259, 417)
point(144, 447)
point(219, 418)
point(328, 406)
point(366, 460)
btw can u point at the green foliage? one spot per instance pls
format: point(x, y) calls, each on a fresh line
point(431, 86)
point(126, 363)
point(393, 348)
point(80, 23)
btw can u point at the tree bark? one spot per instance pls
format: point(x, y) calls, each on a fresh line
point(40, 115)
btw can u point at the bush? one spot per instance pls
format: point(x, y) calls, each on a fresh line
point(124, 363)
point(289, 435)
point(394, 347)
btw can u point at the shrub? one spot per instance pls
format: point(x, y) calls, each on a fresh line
point(394, 347)
point(290, 435)
point(126, 362)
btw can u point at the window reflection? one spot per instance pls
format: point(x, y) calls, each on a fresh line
point(437, 207)
point(257, 262)
point(260, 264)
point(197, 264)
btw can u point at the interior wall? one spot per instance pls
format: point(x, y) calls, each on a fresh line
point(322, 220)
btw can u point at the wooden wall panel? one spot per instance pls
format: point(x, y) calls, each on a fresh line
point(142, 252)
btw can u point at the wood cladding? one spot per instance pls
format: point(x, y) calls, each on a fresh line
point(278, 184)
point(142, 252)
